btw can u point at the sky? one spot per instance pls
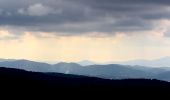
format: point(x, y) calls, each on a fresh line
point(75, 30)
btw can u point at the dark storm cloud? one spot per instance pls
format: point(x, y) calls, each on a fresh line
point(81, 16)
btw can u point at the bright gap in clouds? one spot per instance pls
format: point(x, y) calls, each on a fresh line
point(49, 47)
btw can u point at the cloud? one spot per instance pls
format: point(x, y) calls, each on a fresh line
point(6, 35)
point(39, 10)
point(1, 11)
point(76, 17)
point(36, 10)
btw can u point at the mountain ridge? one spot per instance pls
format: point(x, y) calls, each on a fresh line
point(155, 63)
point(110, 71)
point(26, 83)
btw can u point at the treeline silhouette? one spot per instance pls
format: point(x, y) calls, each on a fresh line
point(17, 82)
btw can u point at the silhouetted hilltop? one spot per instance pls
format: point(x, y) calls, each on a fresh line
point(15, 81)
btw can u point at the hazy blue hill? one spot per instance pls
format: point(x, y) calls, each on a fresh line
point(112, 71)
point(161, 62)
point(2, 60)
point(115, 71)
point(67, 68)
point(151, 69)
point(86, 63)
point(27, 65)
point(163, 76)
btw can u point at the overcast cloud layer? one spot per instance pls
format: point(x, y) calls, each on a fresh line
point(72, 17)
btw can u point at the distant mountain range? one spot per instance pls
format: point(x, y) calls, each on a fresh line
point(109, 71)
point(27, 65)
point(86, 63)
point(1, 60)
point(161, 62)
point(112, 71)
point(156, 63)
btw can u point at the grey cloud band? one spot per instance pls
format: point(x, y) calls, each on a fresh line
point(81, 16)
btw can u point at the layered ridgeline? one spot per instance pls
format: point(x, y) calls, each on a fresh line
point(161, 62)
point(110, 71)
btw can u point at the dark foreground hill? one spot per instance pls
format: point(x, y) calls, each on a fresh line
point(20, 82)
